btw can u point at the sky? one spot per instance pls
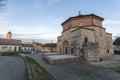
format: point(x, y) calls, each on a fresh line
point(41, 19)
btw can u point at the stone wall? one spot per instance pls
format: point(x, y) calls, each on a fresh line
point(91, 51)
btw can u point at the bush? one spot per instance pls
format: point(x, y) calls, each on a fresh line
point(117, 52)
point(10, 53)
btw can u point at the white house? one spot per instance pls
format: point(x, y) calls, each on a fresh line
point(10, 45)
point(27, 47)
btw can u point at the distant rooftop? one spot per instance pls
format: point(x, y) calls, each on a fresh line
point(10, 42)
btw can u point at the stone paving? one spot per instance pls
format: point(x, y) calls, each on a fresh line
point(12, 68)
point(77, 70)
point(109, 62)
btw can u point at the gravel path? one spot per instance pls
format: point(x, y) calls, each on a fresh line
point(77, 70)
point(12, 68)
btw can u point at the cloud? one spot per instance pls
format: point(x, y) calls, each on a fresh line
point(113, 22)
point(28, 32)
point(112, 26)
point(53, 1)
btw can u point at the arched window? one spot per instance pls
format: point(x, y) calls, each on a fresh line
point(108, 51)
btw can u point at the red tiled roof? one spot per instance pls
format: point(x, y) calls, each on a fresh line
point(50, 45)
point(80, 16)
point(10, 42)
point(37, 44)
point(27, 45)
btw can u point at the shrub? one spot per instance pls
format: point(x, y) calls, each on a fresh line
point(10, 53)
point(117, 52)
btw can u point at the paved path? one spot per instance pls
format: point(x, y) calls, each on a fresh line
point(77, 70)
point(109, 62)
point(12, 68)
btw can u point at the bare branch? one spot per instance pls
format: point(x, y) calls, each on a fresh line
point(2, 5)
point(3, 2)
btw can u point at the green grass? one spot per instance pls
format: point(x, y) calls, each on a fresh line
point(118, 69)
point(26, 52)
point(38, 72)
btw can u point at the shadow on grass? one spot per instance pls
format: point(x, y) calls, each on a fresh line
point(118, 69)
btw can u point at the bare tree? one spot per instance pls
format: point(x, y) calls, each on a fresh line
point(2, 5)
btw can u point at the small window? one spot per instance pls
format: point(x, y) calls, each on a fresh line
point(86, 39)
point(108, 51)
point(19, 48)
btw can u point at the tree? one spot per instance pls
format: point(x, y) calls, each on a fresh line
point(2, 5)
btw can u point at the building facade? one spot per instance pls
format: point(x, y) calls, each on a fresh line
point(38, 46)
point(9, 44)
point(49, 47)
point(85, 36)
point(27, 47)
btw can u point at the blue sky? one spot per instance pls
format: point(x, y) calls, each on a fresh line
point(41, 19)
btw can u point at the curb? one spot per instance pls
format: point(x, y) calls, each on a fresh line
point(28, 68)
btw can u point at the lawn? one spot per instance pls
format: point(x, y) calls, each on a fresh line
point(118, 69)
point(38, 72)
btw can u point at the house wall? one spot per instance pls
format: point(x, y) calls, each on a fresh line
point(37, 47)
point(97, 22)
point(81, 22)
point(27, 49)
point(49, 49)
point(4, 48)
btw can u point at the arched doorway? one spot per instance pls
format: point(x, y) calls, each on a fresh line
point(72, 50)
point(65, 46)
point(66, 50)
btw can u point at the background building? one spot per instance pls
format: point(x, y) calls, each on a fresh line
point(9, 44)
point(9, 35)
point(27, 47)
point(38, 46)
point(49, 47)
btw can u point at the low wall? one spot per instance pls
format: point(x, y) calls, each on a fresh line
point(58, 58)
